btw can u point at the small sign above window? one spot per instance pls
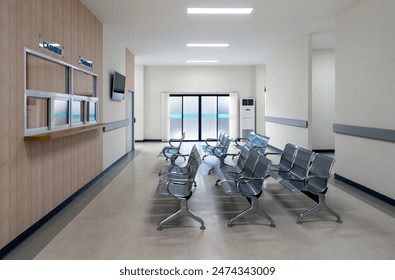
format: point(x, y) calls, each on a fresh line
point(86, 62)
point(52, 47)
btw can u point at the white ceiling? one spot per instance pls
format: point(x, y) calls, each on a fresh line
point(156, 31)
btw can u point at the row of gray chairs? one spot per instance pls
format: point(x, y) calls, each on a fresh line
point(253, 140)
point(177, 182)
point(299, 169)
point(219, 149)
point(245, 178)
point(303, 170)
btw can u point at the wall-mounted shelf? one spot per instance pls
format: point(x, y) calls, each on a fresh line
point(64, 133)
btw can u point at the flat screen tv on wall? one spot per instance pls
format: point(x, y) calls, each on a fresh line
point(118, 87)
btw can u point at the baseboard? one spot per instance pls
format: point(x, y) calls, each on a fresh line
point(32, 229)
point(366, 189)
point(152, 140)
point(324, 150)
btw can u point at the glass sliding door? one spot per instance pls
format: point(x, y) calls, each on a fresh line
point(190, 117)
point(209, 117)
point(199, 116)
point(175, 104)
point(223, 114)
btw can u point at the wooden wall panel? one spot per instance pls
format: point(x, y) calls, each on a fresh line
point(36, 176)
point(129, 70)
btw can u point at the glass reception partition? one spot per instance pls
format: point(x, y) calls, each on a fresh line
point(58, 95)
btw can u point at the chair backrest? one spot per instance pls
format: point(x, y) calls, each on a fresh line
point(241, 162)
point(193, 154)
point(227, 142)
point(224, 147)
point(194, 162)
point(251, 162)
point(221, 139)
point(254, 142)
point(262, 144)
point(261, 167)
point(250, 137)
point(302, 162)
point(288, 157)
point(322, 165)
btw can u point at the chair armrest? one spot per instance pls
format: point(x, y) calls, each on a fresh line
point(212, 140)
point(175, 156)
point(178, 182)
point(272, 153)
point(237, 140)
point(306, 179)
point(257, 147)
point(224, 155)
point(273, 168)
point(171, 141)
point(244, 180)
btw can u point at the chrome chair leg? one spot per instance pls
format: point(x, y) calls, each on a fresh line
point(321, 205)
point(182, 212)
point(253, 209)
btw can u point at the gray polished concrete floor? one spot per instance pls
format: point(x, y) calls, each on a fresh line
point(117, 219)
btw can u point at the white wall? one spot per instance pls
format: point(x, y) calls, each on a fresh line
point(365, 86)
point(323, 98)
point(288, 82)
point(114, 142)
point(139, 103)
point(260, 76)
point(190, 79)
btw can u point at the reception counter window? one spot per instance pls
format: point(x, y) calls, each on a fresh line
point(57, 95)
point(37, 113)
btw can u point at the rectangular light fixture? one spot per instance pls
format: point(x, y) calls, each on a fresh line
point(220, 11)
point(207, 45)
point(202, 61)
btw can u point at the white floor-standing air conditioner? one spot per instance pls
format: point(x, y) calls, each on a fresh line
point(247, 116)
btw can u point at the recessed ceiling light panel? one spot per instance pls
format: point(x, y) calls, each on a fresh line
point(220, 11)
point(202, 61)
point(207, 45)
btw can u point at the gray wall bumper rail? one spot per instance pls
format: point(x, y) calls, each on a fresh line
point(115, 125)
point(366, 132)
point(291, 122)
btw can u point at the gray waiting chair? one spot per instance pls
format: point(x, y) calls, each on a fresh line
point(173, 149)
point(287, 158)
point(175, 168)
point(315, 185)
point(248, 183)
point(220, 150)
point(180, 187)
point(237, 168)
point(247, 141)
